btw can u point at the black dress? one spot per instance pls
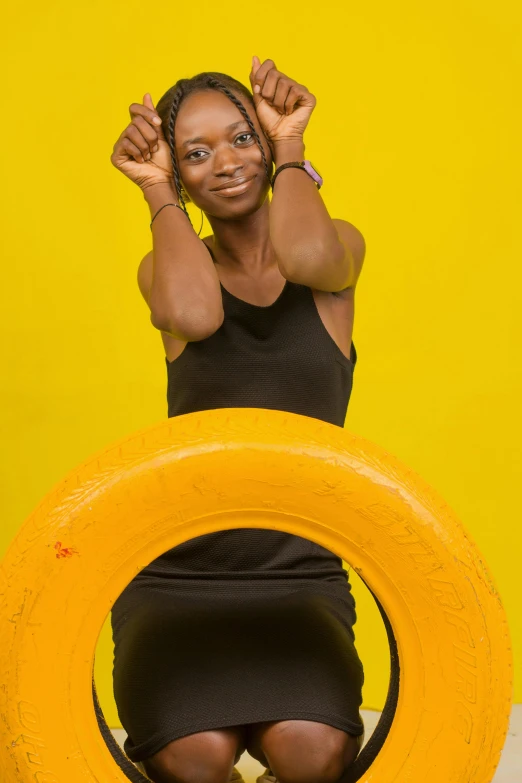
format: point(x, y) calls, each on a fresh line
point(245, 625)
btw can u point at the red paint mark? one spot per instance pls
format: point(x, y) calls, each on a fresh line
point(65, 551)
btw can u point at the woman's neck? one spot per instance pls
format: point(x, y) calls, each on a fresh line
point(243, 245)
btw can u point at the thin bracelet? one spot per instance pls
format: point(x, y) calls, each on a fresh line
point(163, 207)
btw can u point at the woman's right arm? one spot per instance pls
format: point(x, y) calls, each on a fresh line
point(184, 295)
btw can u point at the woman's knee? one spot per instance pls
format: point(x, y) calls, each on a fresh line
point(205, 757)
point(300, 751)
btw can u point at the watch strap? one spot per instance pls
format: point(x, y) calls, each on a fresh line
point(294, 165)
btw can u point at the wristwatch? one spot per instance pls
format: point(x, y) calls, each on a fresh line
point(306, 165)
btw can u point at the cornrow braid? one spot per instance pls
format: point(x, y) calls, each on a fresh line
point(172, 119)
point(169, 104)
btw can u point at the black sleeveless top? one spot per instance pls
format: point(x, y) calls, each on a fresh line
point(280, 357)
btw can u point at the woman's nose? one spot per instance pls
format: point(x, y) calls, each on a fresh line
point(227, 162)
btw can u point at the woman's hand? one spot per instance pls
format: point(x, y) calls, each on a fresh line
point(283, 106)
point(142, 152)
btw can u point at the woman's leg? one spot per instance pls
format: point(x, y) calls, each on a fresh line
point(205, 757)
point(303, 751)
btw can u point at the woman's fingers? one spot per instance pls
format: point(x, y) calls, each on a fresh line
point(147, 101)
point(144, 111)
point(130, 149)
point(149, 113)
point(135, 135)
point(274, 86)
point(259, 78)
point(143, 141)
point(293, 96)
point(144, 131)
point(282, 93)
point(149, 133)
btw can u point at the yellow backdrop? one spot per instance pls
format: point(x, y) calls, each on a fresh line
point(417, 134)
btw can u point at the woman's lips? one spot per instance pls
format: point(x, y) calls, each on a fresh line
point(236, 190)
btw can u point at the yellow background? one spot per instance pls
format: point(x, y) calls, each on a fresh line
point(417, 133)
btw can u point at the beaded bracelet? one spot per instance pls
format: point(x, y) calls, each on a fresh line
point(163, 207)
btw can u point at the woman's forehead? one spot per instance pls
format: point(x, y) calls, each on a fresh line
point(210, 112)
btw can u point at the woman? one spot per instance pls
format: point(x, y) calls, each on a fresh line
point(241, 639)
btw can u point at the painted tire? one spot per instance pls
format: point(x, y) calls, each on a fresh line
point(445, 719)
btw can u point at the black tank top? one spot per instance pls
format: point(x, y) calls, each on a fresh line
point(281, 357)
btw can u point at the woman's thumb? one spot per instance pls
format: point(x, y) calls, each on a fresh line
point(147, 101)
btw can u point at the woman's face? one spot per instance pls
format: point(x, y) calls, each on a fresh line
point(214, 145)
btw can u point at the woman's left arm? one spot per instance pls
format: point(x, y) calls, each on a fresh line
point(311, 248)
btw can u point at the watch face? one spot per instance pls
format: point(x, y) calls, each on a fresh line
point(313, 172)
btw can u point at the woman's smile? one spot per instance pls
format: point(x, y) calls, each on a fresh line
point(236, 190)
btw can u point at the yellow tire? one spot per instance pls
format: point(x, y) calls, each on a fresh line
point(245, 467)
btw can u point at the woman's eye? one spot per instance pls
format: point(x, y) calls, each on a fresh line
point(248, 136)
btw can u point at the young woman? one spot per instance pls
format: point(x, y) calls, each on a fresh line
point(241, 639)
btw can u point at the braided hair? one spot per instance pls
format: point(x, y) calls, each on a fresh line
point(168, 108)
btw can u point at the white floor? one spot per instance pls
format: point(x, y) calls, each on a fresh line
point(509, 770)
